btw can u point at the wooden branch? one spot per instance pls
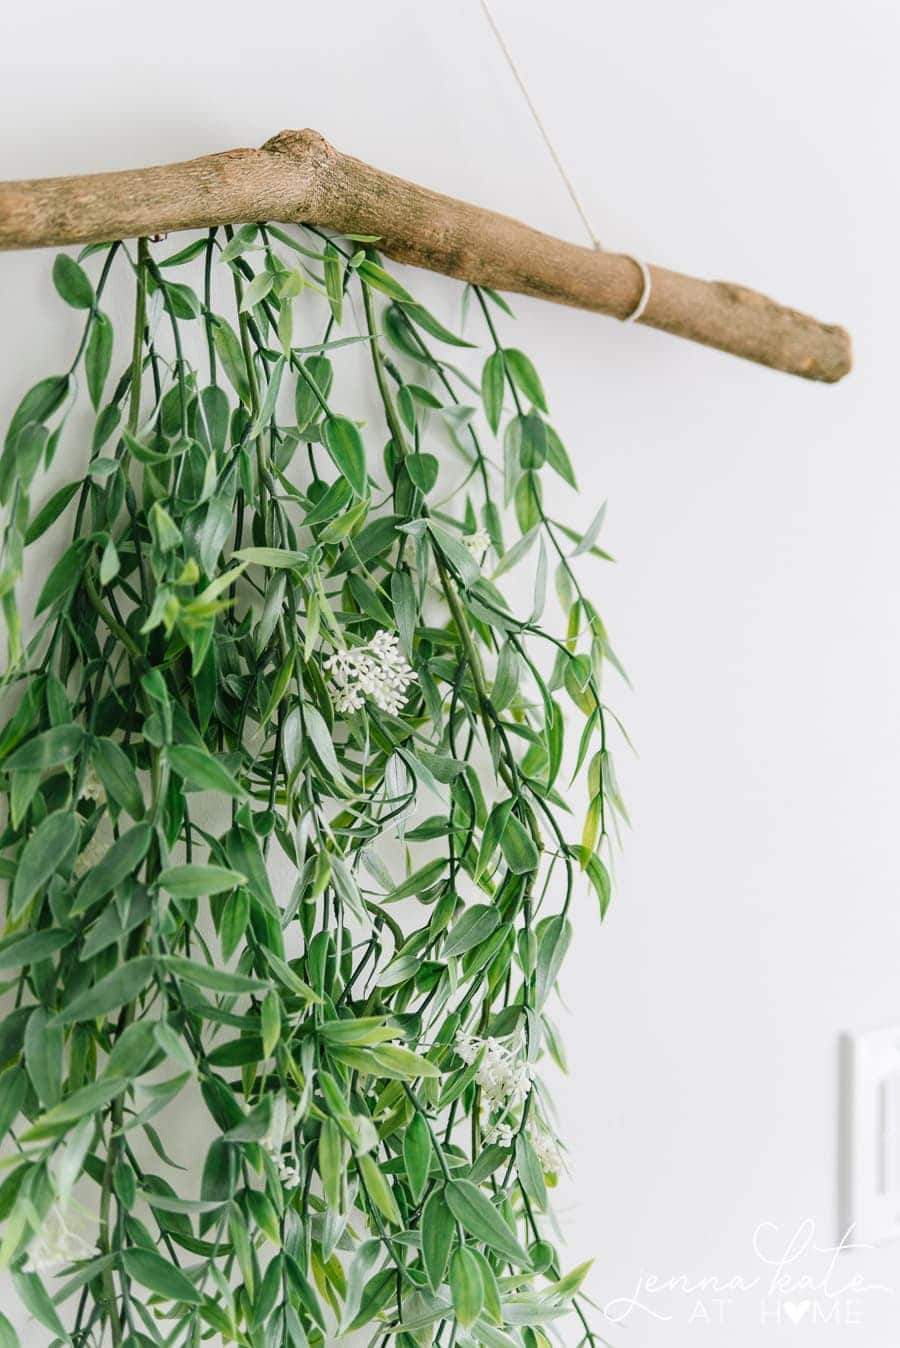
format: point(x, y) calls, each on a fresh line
point(297, 176)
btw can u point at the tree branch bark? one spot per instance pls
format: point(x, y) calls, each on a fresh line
point(297, 176)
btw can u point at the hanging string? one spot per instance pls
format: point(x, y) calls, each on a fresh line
point(554, 154)
point(646, 279)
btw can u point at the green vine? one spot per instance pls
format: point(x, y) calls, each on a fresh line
point(288, 849)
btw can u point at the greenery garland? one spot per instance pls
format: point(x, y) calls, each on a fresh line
point(254, 622)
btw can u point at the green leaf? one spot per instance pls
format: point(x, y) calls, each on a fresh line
point(528, 1168)
point(12, 1033)
point(493, 382)
point(256, 1124)
point(518, 848)
point(331, 1162)
point(334, 280)
point(566, 1287)
point(473, 927)
point(39, 403)
point(365, 1257)
point(32, 947)
point(202, 770)
point(322, 742)
point(64, 577)
point(532, 441)
point(72, 283)
point(438, 1229)
point(34, 1298)
point(185, 254)
point(423, 469)
point(427, 321)
point(419, 882)
point(46, 851)
point(152, 1271)
point(50, 512)
point(119, 779)
point(558, 458)
point(214, 402)
point(131, 1050)
point(357, 1030)
point(493, 1306)
point(50, 749)
point(344, 443)
point(378, 1189)
point(597, 874)
point(235, 916)
point(466, 1287)
point(271, 557)
point(456, 553)
point(375, 539)
point(478, 1216)
point(76, 1106)
point(507, 677)
point(316, 379)
point(208, 976)
point(525, 377)
point(192, 881)
point(31, 447)
point(109, 564)
point(270, 397)
point(333, 500)
point(228, 349)
point(123, 985)
point(382, 280)
point(389, 1060)
point(122, 860)
point(44, 1056)
point(556, 934)
point(8, 1336)
point(403, 598)
point(417, 1151)
point(257, 290)
point(270, 1016)
point(97, 357)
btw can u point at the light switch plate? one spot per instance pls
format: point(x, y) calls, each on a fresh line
point(870, 1145)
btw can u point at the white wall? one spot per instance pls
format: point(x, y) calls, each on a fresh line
point(754, 518)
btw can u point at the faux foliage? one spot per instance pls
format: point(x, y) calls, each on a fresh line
point(276, 645)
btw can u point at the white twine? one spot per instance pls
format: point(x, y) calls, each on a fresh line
point(639, 309)
point(642, 303)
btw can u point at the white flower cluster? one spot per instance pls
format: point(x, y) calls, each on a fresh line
point(477, 543)
point(548, 1153)
point(288, 1170)
point(55, 1244)
point(503, 1074)
point(280, 1128)
point(506, 1079)
point(377, 670)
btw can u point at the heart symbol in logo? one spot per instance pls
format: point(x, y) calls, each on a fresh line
point(795, 1310)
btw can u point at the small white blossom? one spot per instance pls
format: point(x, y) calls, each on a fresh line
point(545, 1146)
point(378, 670)
point(288, 1171)
point(477, 543)
point(503, 1134)
point(546, 1149)
point(503, 1074)
point(55, 1244)
point(506, 1080)
point(279, 1131)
